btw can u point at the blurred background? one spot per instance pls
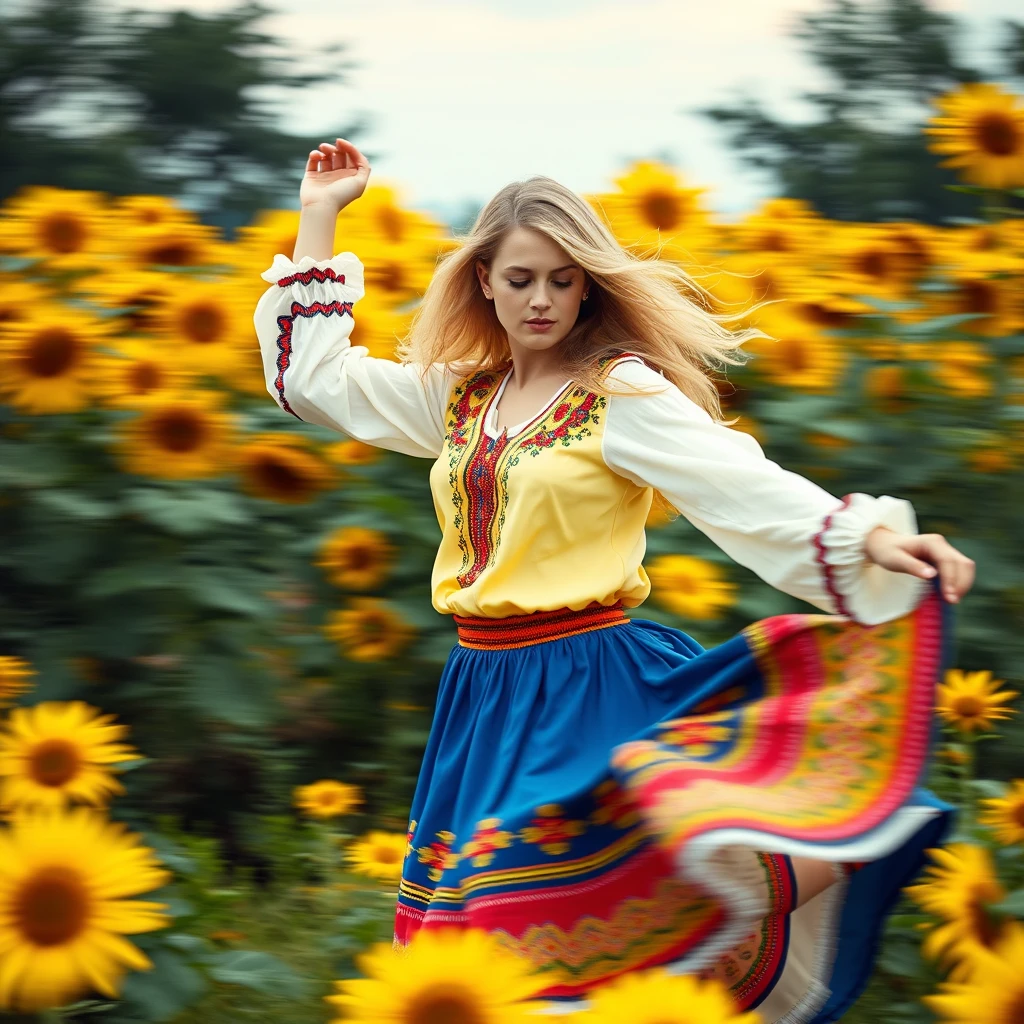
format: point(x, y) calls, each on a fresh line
point(218, 656)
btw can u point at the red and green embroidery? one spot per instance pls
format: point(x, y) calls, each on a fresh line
point(479, 465)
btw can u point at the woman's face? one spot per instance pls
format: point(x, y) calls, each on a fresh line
point(533, 278)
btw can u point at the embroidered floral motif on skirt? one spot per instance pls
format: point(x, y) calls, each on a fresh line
point(593, 800)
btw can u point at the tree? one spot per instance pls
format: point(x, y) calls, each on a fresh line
point(133, 103)
point(864, 157)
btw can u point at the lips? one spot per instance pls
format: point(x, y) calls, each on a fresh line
point(540, 321)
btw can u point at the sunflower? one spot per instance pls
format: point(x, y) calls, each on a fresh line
point(138, 372)
point(178, 436)
point(868, 259)
point(972, 701)
point(798, 354)
point(1005, 815)
point(888, 386)
point(136, 295)
point(206, 324)
point(15, 677)
point(785, 228)
point(995, 992)
point(369, 629)
point(147, 210)
point(994, 455)
point(65, 228)
point(690, 586)
point(455, 976)
point(327, 798)
point(352, 453)
point(981, 127)
point(57, 752)
point(51, 358)
point(379, 855)
point(977, 286)
point(960, 887)
point(63, 915)
point(356, 558)
point(181, 242)
point(281, 467)
point(656, 213)
point(657, 997)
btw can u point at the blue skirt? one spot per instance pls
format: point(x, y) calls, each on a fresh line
point(604, 795)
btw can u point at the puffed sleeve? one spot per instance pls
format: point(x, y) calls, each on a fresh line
point(303, 322)
point(792, 533)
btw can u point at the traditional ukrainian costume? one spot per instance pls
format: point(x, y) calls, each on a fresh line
point(595, 784)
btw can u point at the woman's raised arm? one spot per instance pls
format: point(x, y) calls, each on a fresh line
point(305, 318)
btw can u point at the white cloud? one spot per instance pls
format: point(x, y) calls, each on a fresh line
point(466, 95)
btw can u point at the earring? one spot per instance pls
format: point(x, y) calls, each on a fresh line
point(585, 294)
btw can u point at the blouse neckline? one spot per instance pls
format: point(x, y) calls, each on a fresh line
point(490, 425)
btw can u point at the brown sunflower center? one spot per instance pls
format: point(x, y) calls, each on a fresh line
point(52, 353)
point(794, 355)
point(978, 297)
point(445, 1005)
point(144, 377)
point(279, 477)
point(1014, 1012)
point(386, 855)
point(997, 135)
point(1016, 814)
point(173, 254)
point(775, 241)
point(54, 762)
point(359, 557)
point(968, 706)
point(873, 263)
point(203, 323)
point(662, 210)
point(373, 626)
point(52, 906)
point(389, 220)
point(391, 276)
point(179, 430)
point(984, 926)
point(63, 232)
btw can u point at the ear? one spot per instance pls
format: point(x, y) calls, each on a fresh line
point(484, 277)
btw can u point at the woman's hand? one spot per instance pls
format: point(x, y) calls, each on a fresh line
point(921, 555)
point(336, 174)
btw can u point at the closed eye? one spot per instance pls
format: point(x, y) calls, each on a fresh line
point(523, 284)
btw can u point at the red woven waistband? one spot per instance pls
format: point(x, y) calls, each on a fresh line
point(536, 627)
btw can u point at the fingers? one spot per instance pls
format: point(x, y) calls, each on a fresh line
point(336, 156)
point(956, 570)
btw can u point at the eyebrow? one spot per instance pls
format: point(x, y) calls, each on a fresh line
point(527, 270)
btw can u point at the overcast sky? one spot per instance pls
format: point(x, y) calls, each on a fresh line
point(466, 95)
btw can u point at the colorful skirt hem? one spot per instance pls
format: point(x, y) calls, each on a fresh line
point(619, 798)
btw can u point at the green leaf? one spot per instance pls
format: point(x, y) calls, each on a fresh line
point(165, 991)
point(256, 970)
point(989, 787)
point(937, 325)
point(226, 590)
point(124, 579)
point(75, 504)
point(1013, 904)
point(902, 960)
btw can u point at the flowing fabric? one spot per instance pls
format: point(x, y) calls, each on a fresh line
point(596, 799)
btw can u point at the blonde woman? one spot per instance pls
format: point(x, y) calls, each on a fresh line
point(598, 790)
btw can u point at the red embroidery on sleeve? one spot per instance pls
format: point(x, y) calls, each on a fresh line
point(284, 339)
point(827, 570)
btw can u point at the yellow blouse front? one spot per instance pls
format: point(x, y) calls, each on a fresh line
point(536, 520)
point(552, 515)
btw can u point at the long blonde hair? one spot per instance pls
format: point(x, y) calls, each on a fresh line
point(648, 306)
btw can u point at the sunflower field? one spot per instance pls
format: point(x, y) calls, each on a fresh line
point(217, 650)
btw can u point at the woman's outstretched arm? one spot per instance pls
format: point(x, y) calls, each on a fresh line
point(304, 321)
point(857, 556)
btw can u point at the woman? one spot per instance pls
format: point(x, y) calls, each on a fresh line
point(597, 790)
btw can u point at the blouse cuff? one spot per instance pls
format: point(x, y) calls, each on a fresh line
point(310, 280)
point(861, 589)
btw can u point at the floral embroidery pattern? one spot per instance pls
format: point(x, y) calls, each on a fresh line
point(286, 323)
point(479, 465)
point(700, 736)
point(408, 838)
point(438, 855)
point(552, 832)
point(614, 806)
point(487, 839)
